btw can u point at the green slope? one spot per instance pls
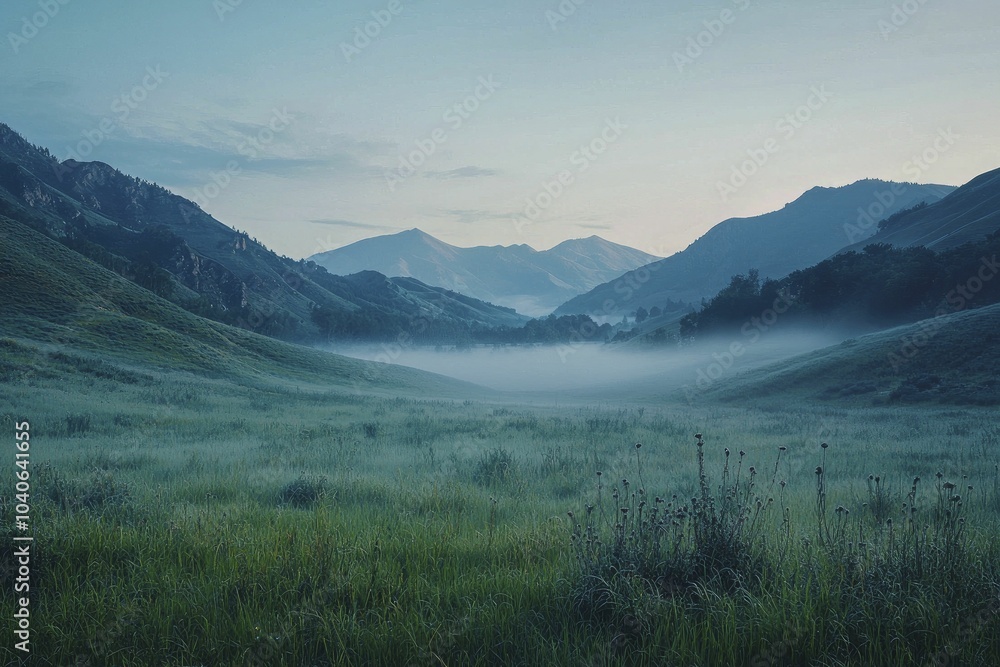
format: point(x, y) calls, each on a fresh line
point(948, 359)
point(167, 244)
point(58, 300)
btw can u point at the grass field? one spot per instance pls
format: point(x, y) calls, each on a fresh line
point(180, 520)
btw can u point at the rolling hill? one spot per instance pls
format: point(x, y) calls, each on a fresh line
point(517, 276)
point(63, 312)
point(953, 358)
point(804, 232)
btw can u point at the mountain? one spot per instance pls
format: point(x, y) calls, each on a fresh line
point(967, 214)
point(65, 315)
point(804, 232)
point(516, 276)
point(168, 245)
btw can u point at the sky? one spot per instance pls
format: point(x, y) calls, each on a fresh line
point(313, 124)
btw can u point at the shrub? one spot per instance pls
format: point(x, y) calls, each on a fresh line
point(100, 492)
point(77, 424)
point(304, 491)
point(495, 467)
point(663, 546)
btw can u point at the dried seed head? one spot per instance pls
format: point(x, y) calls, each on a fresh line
point(819, 470)
point(638, 445)
point(824, 445)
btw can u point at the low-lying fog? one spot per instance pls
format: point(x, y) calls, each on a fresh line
point(598, 370)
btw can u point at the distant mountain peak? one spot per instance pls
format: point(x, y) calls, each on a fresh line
point(518, 276)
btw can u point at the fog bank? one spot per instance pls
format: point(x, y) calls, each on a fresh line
point(597, 370)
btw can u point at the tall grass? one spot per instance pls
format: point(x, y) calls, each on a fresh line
point(198, 523)
point(885, 584)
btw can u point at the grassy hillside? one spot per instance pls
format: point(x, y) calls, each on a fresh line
point(949, 359)
point(54, 296)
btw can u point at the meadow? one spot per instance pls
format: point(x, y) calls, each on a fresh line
point(185, 521)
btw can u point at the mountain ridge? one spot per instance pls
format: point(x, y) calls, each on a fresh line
point(170, 246)
point(968, 214)
point(804, 232)
point(532, 281)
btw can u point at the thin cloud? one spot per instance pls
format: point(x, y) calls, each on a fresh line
point(334, 222)
point(470, 216)
point(461, 172)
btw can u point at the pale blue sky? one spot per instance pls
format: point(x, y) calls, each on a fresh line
point(320, 181)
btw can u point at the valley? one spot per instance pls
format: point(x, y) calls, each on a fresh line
point(286, 522)
point(602, 374)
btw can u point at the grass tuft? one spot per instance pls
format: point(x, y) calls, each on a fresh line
point(304, 491)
